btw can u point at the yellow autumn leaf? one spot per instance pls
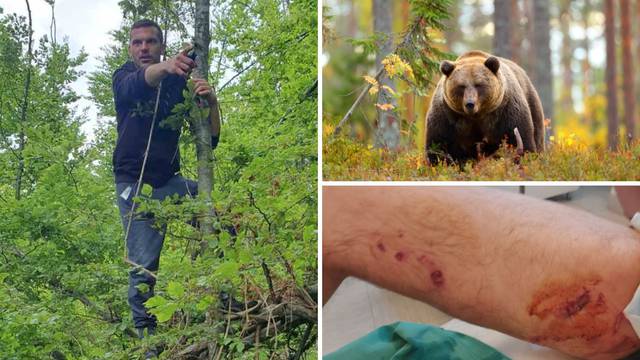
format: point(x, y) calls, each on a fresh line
point(389, 90)
point(370, 80)
point(409, 72)
point(385, 107)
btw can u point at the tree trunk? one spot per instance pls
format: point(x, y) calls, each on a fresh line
point(566, 56)
point(516, 32)
point(202, 126)
point(352, 31)
point(612, 100)
point(586, 65)
point(627, 69)
point(388, 126)
point(637, 45)
point(529, 53)
point(23, 110)
point(408, 99)
point(502, 25)
point(452, 33)
point(542, 69)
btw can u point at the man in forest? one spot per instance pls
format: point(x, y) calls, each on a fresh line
point(135, 87)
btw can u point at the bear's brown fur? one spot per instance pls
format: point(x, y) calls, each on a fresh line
point(477, 103)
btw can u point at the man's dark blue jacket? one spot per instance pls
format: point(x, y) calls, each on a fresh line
point(134, 102)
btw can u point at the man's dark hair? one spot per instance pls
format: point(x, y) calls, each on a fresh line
point(147, 23)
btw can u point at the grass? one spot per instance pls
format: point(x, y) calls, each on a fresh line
point(565, 160)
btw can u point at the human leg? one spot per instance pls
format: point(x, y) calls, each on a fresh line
point(144, 244)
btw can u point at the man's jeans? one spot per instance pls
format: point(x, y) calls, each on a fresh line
point(144, 242)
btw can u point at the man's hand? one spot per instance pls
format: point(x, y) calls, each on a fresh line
point(202, 88)
point(180, 64)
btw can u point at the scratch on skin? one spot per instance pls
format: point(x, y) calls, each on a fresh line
point(570, 311)
point(400, 256)
point(435, 275)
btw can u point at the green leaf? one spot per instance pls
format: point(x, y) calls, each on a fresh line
point(227, 270)
point(175, 289)
point(244, 256)
point(224, 239)
point(146, 190)
point(204, 303)
point(156, 301)
point(142, 287)
point(165, 313)
point(309, 233)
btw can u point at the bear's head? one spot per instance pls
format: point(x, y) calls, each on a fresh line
point(472, 85)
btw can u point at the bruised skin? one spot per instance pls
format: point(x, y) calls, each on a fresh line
point(570, 311)
point(575, 317)
point(571, 315)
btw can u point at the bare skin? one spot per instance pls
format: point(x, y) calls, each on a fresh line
point(536, 270)
point(145, 49)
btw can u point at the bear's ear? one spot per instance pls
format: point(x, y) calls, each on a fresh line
point(446, 67)
point(493, 64)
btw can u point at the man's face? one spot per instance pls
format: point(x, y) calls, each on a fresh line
point(145, 47)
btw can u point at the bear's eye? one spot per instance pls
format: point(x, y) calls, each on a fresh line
point(460, 89)
point(479, 86)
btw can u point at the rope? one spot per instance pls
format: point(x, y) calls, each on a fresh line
point(144, 161)
point(138, 185)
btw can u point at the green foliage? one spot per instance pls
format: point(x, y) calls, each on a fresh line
point(419, 49)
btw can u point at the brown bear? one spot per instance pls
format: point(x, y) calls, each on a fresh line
point(478, 102)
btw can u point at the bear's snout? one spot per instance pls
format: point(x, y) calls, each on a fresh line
point(470, 99)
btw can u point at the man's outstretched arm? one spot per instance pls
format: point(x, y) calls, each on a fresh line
point(536, 270)
point(180, 65)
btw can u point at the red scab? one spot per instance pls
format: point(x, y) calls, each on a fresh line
point(400, 256)
point(573, 306)
point(381, 247)
point(437, 278)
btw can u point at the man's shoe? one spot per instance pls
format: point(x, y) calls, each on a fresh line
point(153, 352)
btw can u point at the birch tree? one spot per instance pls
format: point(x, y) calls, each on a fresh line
point(201, 125)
